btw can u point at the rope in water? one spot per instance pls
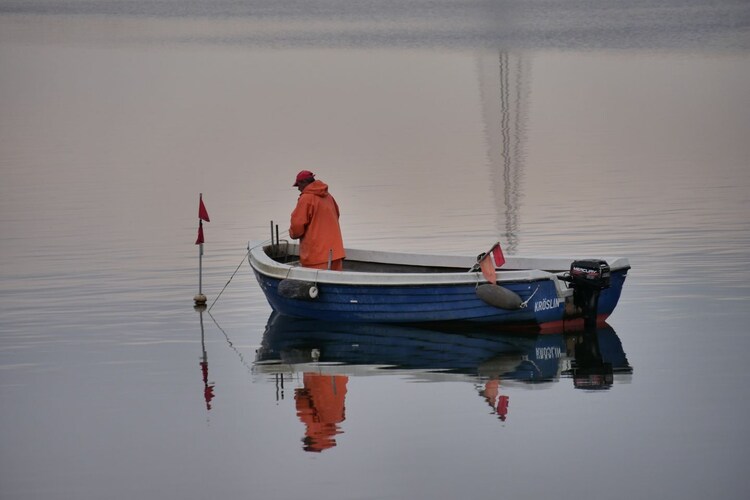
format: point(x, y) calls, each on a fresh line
point(231, 344)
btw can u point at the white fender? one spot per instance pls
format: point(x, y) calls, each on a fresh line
point(297, 289)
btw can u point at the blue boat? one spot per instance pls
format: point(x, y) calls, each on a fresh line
point(389, 287)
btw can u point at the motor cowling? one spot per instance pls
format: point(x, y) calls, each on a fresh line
point(590, 273)
point(589, 278)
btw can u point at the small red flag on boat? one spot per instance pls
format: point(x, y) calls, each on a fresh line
point(199, 241)
point(488, 268)
point(497, 255)
point(202, 212)
point(492, 259)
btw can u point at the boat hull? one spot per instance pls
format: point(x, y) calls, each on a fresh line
point(542, 304)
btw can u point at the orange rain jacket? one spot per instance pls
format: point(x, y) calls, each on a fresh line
point(315, 221)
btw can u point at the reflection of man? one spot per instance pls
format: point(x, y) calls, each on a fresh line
point(320, 406)
point(315, 221)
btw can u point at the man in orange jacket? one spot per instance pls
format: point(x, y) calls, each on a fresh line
point(315, 222)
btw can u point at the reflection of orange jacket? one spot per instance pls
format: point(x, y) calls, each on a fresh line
point(315, 220)
point(320, 406)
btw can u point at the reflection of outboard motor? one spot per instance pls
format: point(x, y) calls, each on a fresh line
point(589, 278)
point(590, 371)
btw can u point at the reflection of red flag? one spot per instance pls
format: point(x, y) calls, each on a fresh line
point(202, 212)
point(199, 241)
point(204, 370)
point(208, 390)
point(502, 406)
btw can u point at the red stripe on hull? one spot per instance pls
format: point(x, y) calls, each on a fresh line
point(569, 325)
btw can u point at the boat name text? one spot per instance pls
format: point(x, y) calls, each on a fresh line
point(545, 304)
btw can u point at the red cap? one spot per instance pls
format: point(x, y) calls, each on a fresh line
point(303, 176)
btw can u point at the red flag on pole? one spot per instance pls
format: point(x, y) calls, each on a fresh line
point(202, 216)
point(202, 212)
point(199, 241)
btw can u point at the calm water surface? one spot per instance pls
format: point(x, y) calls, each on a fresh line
point(615, 128)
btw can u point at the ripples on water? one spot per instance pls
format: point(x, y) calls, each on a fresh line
point(440, 126)
point(572, 24)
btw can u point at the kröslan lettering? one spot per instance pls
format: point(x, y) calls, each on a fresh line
point(546, 304)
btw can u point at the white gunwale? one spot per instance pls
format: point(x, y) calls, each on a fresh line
point(515, 269)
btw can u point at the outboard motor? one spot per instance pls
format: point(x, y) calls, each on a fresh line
point(589, 278)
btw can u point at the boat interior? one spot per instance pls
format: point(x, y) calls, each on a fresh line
point(287, 253)
point(284, 253)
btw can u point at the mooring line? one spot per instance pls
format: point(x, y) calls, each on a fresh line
point(526, 302)
point(238, 268)
point(230, 279)
point(231, 344)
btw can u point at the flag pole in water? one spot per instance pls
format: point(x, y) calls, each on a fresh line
point(200, 299)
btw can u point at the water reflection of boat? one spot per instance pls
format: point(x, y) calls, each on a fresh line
point(597, 358)
point(592, 358)
point(296, 344)
point(323, 355)
point(361, 348)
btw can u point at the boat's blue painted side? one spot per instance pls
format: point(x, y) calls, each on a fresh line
point(398, 303)
point(389, 287)
point(609, 297)
point(429, 303)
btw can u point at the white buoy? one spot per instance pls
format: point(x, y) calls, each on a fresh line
point(298, 289)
